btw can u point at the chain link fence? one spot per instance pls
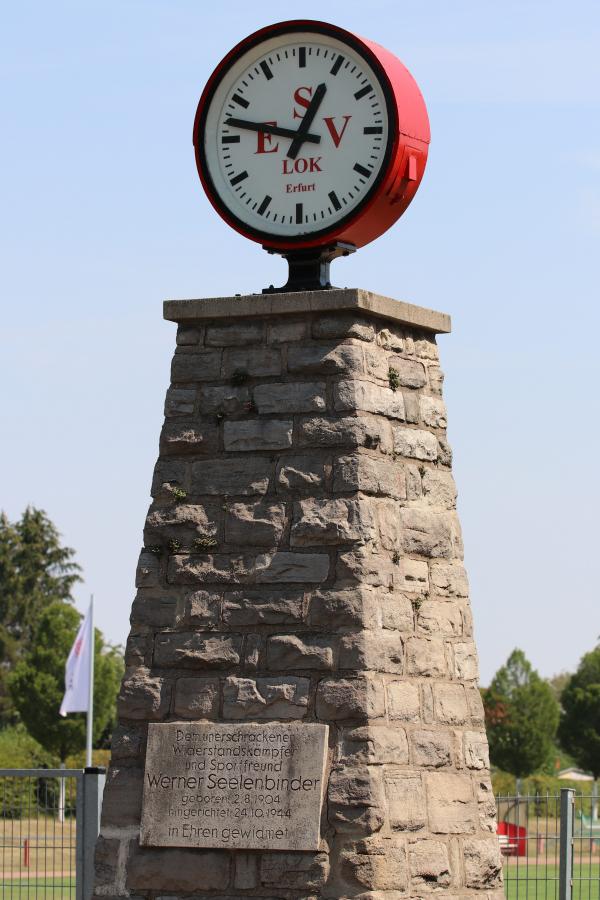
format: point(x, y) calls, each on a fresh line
point(550, 847)
point(49, 822)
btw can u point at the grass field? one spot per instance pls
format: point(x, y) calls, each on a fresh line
point(38, 889)
point(530, 883)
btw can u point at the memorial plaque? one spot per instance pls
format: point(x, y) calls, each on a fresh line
point(246, 786)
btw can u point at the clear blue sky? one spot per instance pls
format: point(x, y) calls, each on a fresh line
point(102, 217)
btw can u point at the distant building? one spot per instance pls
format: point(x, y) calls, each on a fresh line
point(573, 774)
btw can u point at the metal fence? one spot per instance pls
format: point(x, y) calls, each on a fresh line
point(550, 846)
point(49, 822)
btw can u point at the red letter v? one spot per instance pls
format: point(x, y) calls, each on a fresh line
point(336, 136)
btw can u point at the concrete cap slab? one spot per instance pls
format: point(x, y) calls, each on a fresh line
point(296, 303)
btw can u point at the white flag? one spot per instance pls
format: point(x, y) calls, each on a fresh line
point(77, 671)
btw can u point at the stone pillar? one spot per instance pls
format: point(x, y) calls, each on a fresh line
point(302, 563)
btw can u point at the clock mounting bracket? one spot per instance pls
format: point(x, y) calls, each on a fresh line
point(309, 267)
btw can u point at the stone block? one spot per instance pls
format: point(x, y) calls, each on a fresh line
point(449, 579)
point(178, 871)
point(225, 399)
point(192, 649)
point(288, 331)
point(258, 524)
point(370, 475)
point(450, 704)
point(412, 409)
point(180, 402)
point(138, 649)
point(347, 432)
point(143, 697)
point(285, 697)
point(375, 651)
point(208, 568)
point(302, 474)
point(294, 871)
point(335, 609)
point(444, 452)
point(374, 745)
point(355, 800)
point(323, 522)
point(426, 657)
point(197, 698)
point(350, 699)
point(203, 365)
point(390, 339)
point(433, 412)
point(429, 865)
point(255, 362)
point(169, 472)
point(181, 522)
point(476, 750)
point(254, 652)
point(438, 618)
point(451, 805)
point(396, 612)
point(122, 799)
point(235, 334)
point(202, 609)
point(231, 477)
point(378, 866)
point(415, 443)
point(245, 874)
point(293, 397)
point(436, 379)
point(258, 434)
point(431, 749)
point(368, 397)
point(411, 373)
point(343, 326)
point(474, 704)
point(127, 742)
point(189, 335)
point(439, 488)
point(406, 801)
point(105, 860)
point(291, 651)
point(148, 570)
point(403, 701)
point(365, 566)
point(292, 567)
point(263, 607)
point(336, 359)
point(466, 666)
point(483, 863)
point(153, 608)
point(426, 533)
point(426, 348)
point(414, 576)
point(184, 437)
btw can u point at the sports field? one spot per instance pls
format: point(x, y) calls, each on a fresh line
point(38, 889)
point(531, 882)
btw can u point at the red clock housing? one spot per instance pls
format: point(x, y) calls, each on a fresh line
point(406, 153)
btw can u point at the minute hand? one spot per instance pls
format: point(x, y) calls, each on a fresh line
point(301, 134)
point(265, 128)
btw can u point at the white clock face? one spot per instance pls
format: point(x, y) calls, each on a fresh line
point(324, 142)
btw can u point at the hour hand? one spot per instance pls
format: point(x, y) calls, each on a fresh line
point(266, 128)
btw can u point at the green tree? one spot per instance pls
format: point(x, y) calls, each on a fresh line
point(521, 717)
point(579, 729)
point(37, 683)
point(35, 571)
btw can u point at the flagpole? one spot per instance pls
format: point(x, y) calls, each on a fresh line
point(90, 709)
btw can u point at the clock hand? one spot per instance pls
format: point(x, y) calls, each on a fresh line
point(265, 128)
point(306, 121)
